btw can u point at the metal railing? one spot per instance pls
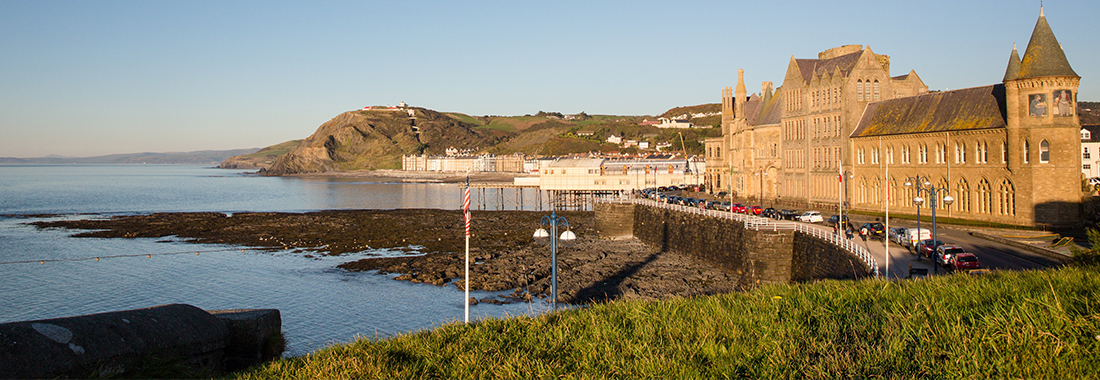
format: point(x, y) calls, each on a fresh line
point(759, 224)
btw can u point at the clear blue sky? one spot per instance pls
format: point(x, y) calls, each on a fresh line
point(83, 78)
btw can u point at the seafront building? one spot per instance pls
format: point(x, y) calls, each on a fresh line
point(1008, 152)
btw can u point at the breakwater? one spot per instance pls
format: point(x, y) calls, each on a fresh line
point(128, 342)
point(758, 255)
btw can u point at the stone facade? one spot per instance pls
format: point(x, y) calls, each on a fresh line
point(1008, 152)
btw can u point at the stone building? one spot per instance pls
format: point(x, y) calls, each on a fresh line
point(1007, 152)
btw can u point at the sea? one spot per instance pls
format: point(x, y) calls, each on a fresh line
point(47, 273)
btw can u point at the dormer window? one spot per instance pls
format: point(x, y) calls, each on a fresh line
point(1086, 135)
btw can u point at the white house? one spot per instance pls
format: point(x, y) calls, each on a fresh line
point(1090, 151)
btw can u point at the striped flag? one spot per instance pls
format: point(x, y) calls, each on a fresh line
point(466, 206)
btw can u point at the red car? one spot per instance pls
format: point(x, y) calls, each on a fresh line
point(964, 261)
point(737, 207)
point(756, 210)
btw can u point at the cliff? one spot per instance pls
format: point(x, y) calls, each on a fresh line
point(376, 139)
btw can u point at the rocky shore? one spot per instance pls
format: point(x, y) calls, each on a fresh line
point(503, 254)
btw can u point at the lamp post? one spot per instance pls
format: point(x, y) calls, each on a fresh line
point(933, 193)
point(567, 239)
point(918, 180)
point(840, 197)
point(761, 173)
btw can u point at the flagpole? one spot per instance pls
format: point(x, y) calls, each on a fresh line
point(886, 234)
point(466, 214)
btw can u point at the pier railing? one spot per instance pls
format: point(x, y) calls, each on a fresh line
point(757, 223)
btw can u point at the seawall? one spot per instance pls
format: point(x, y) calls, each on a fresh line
point(758, 256)
point(124, 342)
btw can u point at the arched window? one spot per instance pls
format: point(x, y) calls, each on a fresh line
point(939, 201)
point(876, 191)
point(862, 192)
point(1007, 198)
point(859, 90)
point(1044, 151)
point(985, 197)
point(1004, 152)
point(962, 196)
point(876, 90)
point(1027, 151)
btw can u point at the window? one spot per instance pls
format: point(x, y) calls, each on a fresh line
point(1044, 151)
point(1086, 154)
point(922, 154)
point(889, 155)
point(874, 155)
point(860, 157)
point(876, 90)
point(1086, 135)
point(1007, 198)
point(859, 90)
point(1004, 152)
point(983, 155)
point(962, 196)
point(1027, 152)
point(905, 154)
point(959, 153)
point(867, 90)
point(985, 198)
point(1086, 167)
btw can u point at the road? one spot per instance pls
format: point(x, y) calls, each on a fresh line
point(992, 255)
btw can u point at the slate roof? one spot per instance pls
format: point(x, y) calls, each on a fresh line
point(968, 108)
point(764, 110)
point(811, 67)
point(1094, 133)
point(1044, 55)
point(1013, 70)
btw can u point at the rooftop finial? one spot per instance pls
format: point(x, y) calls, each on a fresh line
point(1041, 9)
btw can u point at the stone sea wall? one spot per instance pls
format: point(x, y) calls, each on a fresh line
point(757, 256)
point(125, 342)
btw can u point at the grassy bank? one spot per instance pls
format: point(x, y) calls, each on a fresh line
point(1007, 324)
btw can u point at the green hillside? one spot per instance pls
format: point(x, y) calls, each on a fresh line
point(1008, 324)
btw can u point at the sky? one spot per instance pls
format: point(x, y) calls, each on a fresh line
point(87, 78)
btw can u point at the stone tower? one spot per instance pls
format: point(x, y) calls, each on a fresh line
point(1043, 130)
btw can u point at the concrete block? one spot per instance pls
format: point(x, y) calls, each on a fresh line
point(110, 344)
point(255, 335)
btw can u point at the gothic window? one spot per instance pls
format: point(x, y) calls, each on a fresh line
point(958, 153)
point(1004, 152)
point(862, 191)
point(874, 155)
point(922, 154)
point(985, 197)
point(962, 196)
point(1027, 151)
point(889, 155)
point(867, 90)
point(859, 90)
point(1007, 198)
point(1044, 151)
point(876, 191)
point(984, 155)
point(876, 90)
point(860, 156)
point(905, 154)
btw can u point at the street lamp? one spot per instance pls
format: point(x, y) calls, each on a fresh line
point(933, 193)
point(567, 238)
point(840, 195)
point(761, 173)
point(918, 180)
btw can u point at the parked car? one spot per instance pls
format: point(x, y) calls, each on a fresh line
point(811, 217)
point(1094, 181)
point(912, 236)
point(755, 210)
point(725, 206)
point(737, 207)
point(789, 214)
point(722, 194)
point(770, 212)
point(946, 253)
point(874, 230)
point(926, 247)
point(965, 261)
point(896, 235)
point(833, 219)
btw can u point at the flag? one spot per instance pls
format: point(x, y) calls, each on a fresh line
point(466, 206)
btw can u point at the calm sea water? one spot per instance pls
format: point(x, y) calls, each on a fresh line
point(320, 304)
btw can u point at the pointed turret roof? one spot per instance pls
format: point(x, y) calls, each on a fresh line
point(1044, 55)
point(1013, 70)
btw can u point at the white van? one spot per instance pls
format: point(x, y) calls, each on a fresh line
point(912, 237)
point(810, 217)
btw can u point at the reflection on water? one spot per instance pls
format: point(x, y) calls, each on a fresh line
point(320, 304)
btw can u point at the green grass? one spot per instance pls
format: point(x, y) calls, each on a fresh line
point(463, 118)
point(275, 150)
point(1006, 324)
